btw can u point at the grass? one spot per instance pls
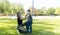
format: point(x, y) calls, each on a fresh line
point(40, 27)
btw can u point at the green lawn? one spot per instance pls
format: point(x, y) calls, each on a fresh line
point(40, 27)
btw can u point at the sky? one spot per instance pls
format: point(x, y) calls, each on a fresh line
point(37, 3)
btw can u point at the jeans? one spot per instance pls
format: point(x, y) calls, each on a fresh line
point(29, 26)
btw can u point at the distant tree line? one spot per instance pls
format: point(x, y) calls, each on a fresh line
point(11, 8)
point(46, 12)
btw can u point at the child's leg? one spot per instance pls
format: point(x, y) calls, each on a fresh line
point(30, 27)
point(27, 26)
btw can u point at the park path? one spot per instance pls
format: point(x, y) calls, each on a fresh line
point(34, 17)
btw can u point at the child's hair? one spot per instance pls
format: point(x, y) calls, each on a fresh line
point(28, 10)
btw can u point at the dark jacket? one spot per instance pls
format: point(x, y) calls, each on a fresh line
point(19, 20)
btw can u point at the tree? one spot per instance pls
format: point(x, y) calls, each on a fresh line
point(57, 11)
point(10, 8)
point(4, 6)
point(51, 11)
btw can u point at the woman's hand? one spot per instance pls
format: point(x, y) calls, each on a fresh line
point(22, 18)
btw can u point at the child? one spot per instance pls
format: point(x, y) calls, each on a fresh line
point(29, 22)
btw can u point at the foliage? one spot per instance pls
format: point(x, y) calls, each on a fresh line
point(44, 11)
point(57, 10)
point(10, 8)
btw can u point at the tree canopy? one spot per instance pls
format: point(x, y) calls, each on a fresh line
point(10, 8)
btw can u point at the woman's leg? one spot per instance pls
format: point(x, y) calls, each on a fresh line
point(24, 24)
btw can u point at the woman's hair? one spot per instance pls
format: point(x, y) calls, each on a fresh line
point(18, 14)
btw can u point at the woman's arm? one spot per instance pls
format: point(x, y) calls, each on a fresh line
point(22, 18)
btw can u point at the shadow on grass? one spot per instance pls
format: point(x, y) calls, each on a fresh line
point(37, 30)
point(41, 31)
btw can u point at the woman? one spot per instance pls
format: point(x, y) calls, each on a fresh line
point(19, 20)
point(20, 25)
